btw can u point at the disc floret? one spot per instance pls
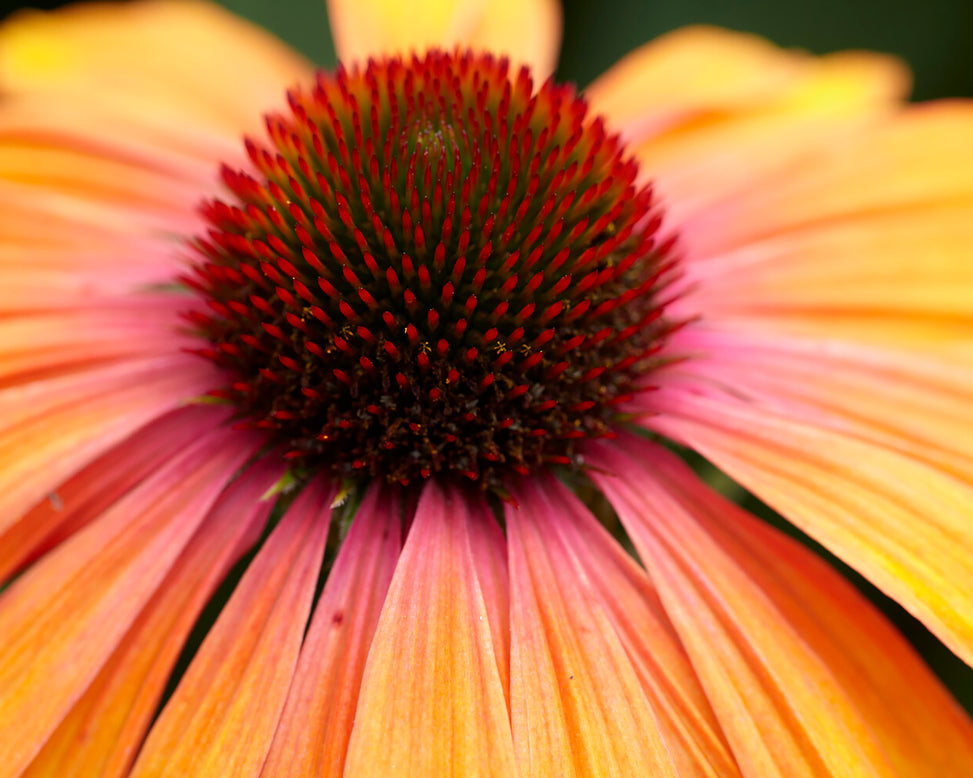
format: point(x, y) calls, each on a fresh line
point(432, 269)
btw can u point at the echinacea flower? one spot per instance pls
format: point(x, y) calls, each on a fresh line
point(406, 364)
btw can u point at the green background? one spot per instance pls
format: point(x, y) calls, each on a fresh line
point(935, 37)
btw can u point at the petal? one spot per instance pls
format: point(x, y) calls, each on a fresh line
point(431, 699)
point(914, 404)
point(527, 31)
point(161, 58)
point(915, 160)
point(52, 428)
point(489, 549)
point(312, 737)
point(48, 343)
point(806, 677)
point(222, 716)
point(74, 504)
point(63, 618)
point(576, 704)
point(61, 274)
point(106, 727)
point(597, 571)
point(72, 167)
point(691, 71)
point(903, 524)
point(711, 113)
point(900, 280)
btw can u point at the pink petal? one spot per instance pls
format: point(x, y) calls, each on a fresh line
point(222, 716)
point(65, 616)
point(805, 676)
point(312, 737)
point(51, 429)
point(77, 502)
point(105, 729)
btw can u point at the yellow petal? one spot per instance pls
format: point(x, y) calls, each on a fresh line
point(431, 700)
point(918, 159)
point(806, 677)
point(711, 113)
point(222, 716)
point(691, 71)
point(163, 58)
point(312, 737)
point(528, 31)
point(903, 524)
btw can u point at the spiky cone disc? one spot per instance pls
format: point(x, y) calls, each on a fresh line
point(433, 268)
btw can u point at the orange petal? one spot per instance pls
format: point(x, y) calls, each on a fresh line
point(528, 31)
point(577, 706)
point(431, 699)
point(159, 141)
point(312, 737)
point(489, 550)
point(620, 591)
point(712, 113)
point(854, 277)
point(106, 727)
point(918, 159)
point(50, 429)
point(95, 185)
point(69, 167)
point(161, 58)
point(64, 617)
point(222, 716)
point(906, 526)
point(74, 504)
point(914, 404)
point(806, 677)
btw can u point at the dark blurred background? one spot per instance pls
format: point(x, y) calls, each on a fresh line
point(934, 36)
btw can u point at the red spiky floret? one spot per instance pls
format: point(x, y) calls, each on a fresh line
point(433, 269)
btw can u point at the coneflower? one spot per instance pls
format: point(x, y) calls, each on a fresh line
point(407, 360)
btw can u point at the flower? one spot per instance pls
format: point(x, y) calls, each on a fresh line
point(288, 370)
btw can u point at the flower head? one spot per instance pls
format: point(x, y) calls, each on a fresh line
point(396, 367)
point(438, 271)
